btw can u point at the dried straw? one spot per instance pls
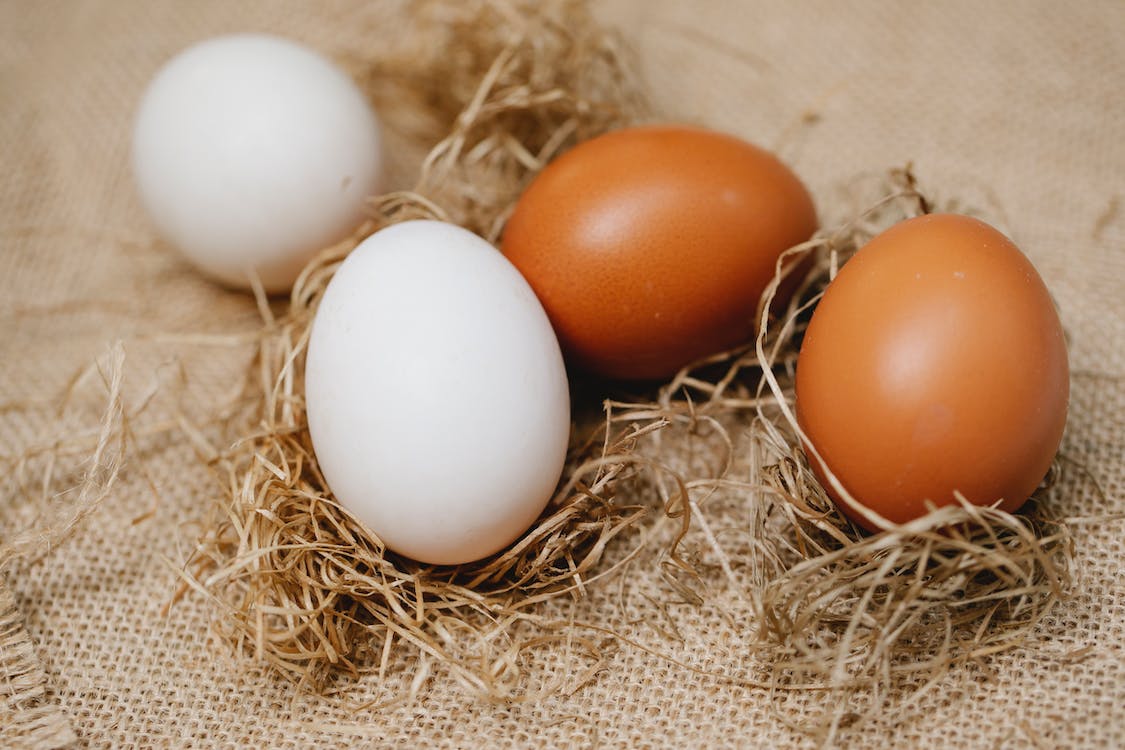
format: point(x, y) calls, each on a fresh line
point(306, 587)
point(66, 478)
point(309, 590)
point(872, 620)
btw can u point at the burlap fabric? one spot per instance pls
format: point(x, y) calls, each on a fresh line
point(1019, 104)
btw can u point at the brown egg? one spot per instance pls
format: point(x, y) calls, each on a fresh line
point(650, 247)
point(934, 363)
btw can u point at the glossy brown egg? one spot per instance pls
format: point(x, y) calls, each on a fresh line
point(934, 363)
point(650, 247)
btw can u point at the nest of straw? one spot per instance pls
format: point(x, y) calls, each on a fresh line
point(869, 621)
point(304, 587)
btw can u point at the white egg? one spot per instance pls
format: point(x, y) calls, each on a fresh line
point(251, 153)
point(436, 393)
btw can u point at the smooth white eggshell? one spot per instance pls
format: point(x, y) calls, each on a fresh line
point(436, 393)
point(253, 152)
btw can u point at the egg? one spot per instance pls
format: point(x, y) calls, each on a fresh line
point(436, 394)
point(651, 246)
point(252, 152)
point(935, 363)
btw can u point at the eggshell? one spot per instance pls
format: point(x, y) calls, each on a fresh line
point(651, 246)
point(934, 363)
point(251, 153)
point(436, 393)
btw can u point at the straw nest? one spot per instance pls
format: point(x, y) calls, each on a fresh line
point(869, 621)
point(306, 588)
point(304, 585)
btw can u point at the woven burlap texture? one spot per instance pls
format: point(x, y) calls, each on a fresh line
point(1016, 104)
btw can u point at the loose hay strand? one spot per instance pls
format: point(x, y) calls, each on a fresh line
point(70, 507)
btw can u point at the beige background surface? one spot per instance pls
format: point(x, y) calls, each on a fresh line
point(1018, 104)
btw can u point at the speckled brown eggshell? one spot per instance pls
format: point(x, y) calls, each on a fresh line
point(651, 246)
point(934, 363)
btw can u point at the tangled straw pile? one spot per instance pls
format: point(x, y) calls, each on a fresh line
point(305, 586)
point(312, 592)
point(870, 620)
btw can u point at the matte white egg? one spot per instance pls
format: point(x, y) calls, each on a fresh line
point(436, 393)
point(252, 152)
